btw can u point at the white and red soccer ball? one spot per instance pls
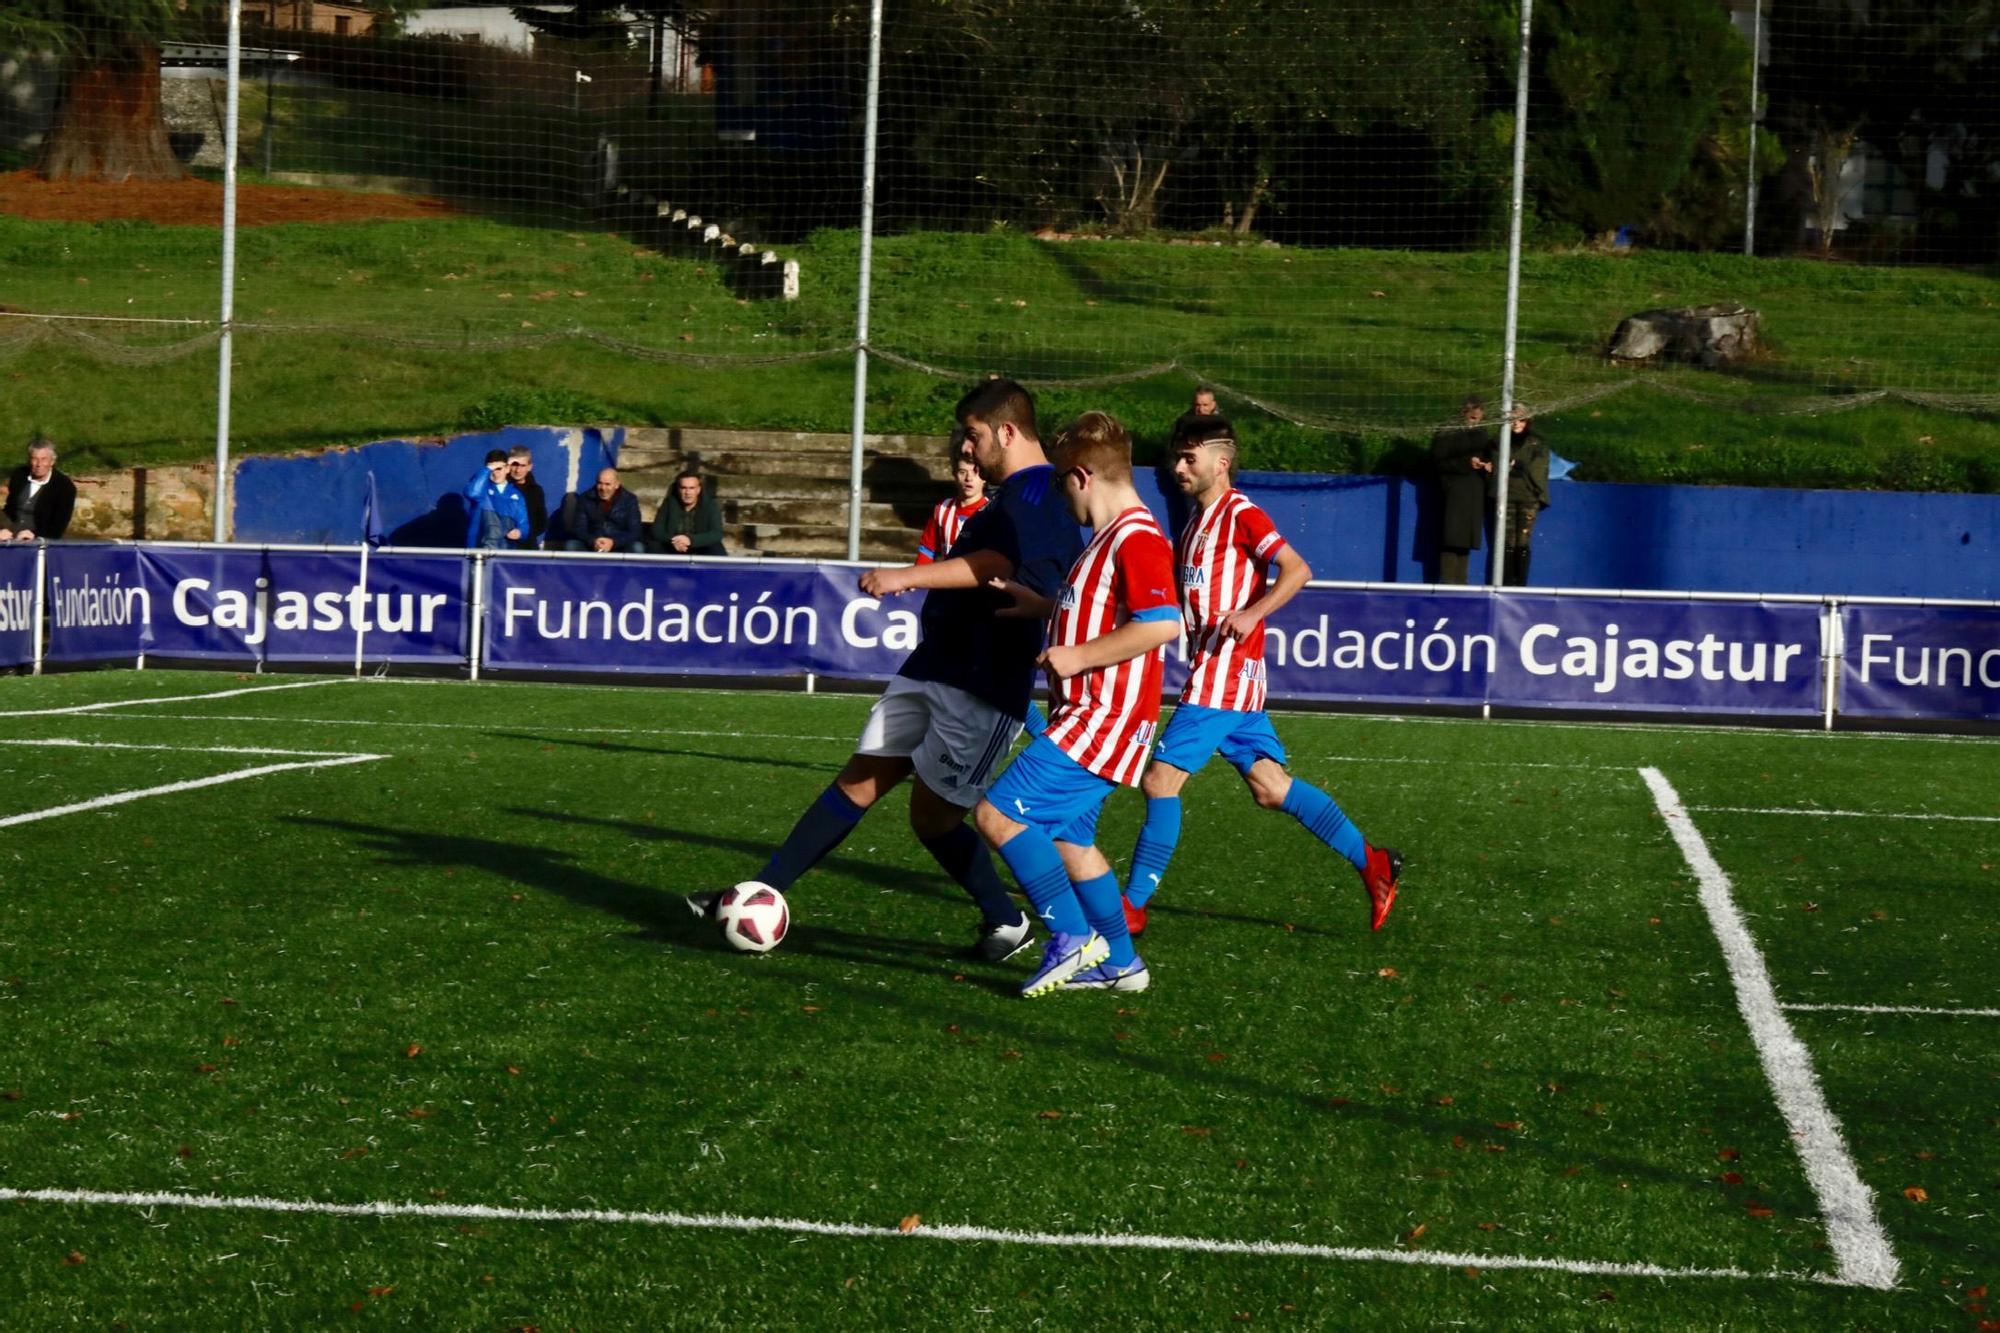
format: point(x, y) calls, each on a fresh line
point(753, 917)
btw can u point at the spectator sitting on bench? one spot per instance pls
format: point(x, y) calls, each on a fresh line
point(689, 521)
point(603, 518)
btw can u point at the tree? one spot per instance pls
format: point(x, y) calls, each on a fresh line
point(1622, 99)
point(107, 119)
point(1904, 76)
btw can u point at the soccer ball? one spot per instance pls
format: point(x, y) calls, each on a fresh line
point(753, 917)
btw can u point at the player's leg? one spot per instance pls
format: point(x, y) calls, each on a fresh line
point(1097, 890)
point(1190, 737)
point(1255, 752)
point(1044, 791)
point(961, 752)
point(881, 759)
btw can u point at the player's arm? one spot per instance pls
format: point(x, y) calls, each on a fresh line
point(1135, 638)
point(1293, 574)
point(971, 570)
point(1027, 603)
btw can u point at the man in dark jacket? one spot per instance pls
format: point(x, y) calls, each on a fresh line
point(521, 471)
point(39, 498)
point(603, 518)
point(1527, 495)
point(689, 521)
point(1462, 459)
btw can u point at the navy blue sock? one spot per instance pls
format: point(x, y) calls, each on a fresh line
point(1107, 916)
point(963, 855)
point(1032, 856)
point(1325, 821)
point(1158, 837)
point(820, 829)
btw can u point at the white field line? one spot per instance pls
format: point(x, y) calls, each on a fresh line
point(927, 1231)
point(172, 699)
point(1848, 1205)
point(64, 743)
point(1841, 814)
point(1891, 1009)
point(169, 789)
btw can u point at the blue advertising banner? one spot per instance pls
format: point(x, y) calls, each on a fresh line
point(253, 604)
point(1351, 644)
point(17, 604)
point(1920, 661)
point(98, 606)
point(1658, 655)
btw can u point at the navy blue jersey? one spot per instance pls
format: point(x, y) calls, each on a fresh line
point(964, 643)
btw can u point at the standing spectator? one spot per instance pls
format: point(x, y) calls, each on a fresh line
point(953, 510)
point(521, 471)
point(689, 521)
point(1204, 401)
point(603, 518)
point(496, 515)
point(39, 498)
point(1462, 459)
point(1527, 496)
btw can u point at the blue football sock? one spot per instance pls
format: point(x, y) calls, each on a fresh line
point(963, 855)
point(1032, 857)
point(820, 829)
point(1107, 917)
point(1035, 724)
point(1158, 837)
point(1325, 821)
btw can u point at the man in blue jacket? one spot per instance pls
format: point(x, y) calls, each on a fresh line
point(496, 514)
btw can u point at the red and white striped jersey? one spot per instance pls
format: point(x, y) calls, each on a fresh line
point(1104, 718)
point(1222, 559)
point(943, 528)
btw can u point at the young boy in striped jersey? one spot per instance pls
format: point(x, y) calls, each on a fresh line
point(951, 512)
point(1108, 629)
point(1222, 560)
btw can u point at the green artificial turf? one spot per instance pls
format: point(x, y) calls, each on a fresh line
point(461, 974)
point(361, 331)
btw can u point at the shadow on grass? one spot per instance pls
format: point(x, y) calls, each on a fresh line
point(662, 751)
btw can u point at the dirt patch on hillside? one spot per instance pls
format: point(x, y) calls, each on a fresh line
point(193, 202)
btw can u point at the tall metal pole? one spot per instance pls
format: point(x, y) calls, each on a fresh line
point(1504, 460)
point(854, 457)
point(229, 145)
point(1756, 68)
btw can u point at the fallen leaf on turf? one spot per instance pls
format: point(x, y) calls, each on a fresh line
point(12, 1094)
point(1506, 1124)
point(204, 1069)
point(1049, 1115)
point(73, 1258)
point(1216, 1057)
point(1416, 1232)
point(1976, 1294)
point(1444, 1100)
point(1489, 1226)
point(1729, 1154)
point(228, 1000)
point(513, 1069)
point(1758, 1209)
point(910, 1223)
point(1242, 1163)
point(1732, 1177)
point(414, 1051)
point(230, 1041)
point(380, 1291)
point(183, 1151)
point(1458, 1141)
point(1010, 1055)
point(72, 1115)
point(1391, 1089)
point(419, 1113)
point(1195, 1131)
point(1916, 1194)
point(352, 1153)
point(1385, 971)
point(811, 1008)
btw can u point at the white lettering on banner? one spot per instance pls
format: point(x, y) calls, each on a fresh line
point(1435, 650)
point(1604, 661)
point(900, 633)
point(356, 611)
point(525, 614)
point(17, 609)
point(82, 606)
point(1972, 665)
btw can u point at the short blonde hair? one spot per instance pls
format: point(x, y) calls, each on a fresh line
point(1099, 443)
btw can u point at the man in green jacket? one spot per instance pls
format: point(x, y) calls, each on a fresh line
point(689, 521)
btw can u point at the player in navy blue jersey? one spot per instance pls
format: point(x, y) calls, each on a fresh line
point(954, 710)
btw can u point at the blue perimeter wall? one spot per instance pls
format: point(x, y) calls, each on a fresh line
point(1364, 529)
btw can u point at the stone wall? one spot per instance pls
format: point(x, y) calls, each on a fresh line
point(146, 504)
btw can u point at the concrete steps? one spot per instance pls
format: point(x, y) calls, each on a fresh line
point(784, 493)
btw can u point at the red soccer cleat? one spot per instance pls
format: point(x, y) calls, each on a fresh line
point(1384, 868)
point(1135, 917)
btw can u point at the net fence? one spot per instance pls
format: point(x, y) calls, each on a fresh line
point(454, 214)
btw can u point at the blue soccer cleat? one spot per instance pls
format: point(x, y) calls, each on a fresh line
point(1109, 976)
point(1063, 958)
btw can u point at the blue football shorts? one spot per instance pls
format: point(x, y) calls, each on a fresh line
point(1046, 789)
point(1194, 733)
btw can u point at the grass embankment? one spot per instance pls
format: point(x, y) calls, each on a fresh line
point(419, 328)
